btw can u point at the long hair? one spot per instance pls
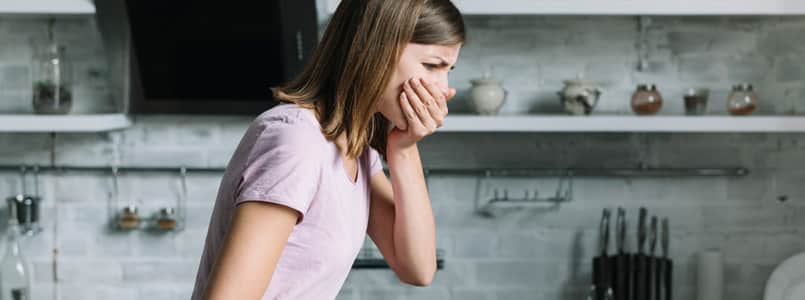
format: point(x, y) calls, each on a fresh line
point(356, 58)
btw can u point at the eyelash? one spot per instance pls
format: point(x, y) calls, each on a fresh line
point(430, 66)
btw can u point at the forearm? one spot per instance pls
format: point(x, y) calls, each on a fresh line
point(414, 225)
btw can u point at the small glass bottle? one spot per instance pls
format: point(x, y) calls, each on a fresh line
point(52, 81)
point(696, 101)
point(166, 219)
point(128, 218)
point(646, 100)
point(15, 272)
point(742, 100)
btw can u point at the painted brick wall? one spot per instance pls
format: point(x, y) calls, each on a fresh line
point(523, 254)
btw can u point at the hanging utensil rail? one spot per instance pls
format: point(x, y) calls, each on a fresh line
point(493, 172)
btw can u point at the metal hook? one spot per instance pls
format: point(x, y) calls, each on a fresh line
point(23, 176)
point(183, 199)
point(36, 181)
point(116, 187)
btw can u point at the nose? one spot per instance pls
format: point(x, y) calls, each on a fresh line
point(441, 82)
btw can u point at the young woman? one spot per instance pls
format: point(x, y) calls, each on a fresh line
point(305, 185)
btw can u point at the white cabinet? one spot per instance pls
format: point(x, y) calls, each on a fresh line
point(46, 7)
point(624, 7)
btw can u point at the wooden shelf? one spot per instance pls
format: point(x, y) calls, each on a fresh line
point(614, 123)
point(63, 123)
point(624, 7)
point(47, 7)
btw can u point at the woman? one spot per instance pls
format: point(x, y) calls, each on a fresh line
point(305, 185)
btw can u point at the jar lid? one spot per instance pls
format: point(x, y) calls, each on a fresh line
point(167, 211)
point(579, 81)
point(743, 87)
point(132, 209)
point(490, 80)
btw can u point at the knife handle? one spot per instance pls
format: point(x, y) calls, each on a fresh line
point(641, 278)
point(652, 278)
point(669, 278)
point(620, 276)
point(602, 278)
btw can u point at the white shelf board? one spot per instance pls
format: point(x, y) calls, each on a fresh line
point(624, 7)
point(47, 7)
point(63, 123)
point(616, 123)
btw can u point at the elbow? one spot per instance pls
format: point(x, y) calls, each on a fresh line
point(422, 278)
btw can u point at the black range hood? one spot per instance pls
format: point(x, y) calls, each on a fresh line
point(209, 57)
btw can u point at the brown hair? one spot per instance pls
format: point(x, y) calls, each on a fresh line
point(356, 58)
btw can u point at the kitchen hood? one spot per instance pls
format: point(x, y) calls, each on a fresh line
point(204, 56)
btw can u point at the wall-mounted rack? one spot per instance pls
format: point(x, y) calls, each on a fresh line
point(370, 258)
point(641, 171)
point(563, 193)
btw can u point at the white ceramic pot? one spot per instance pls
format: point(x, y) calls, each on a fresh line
point(487, 96)
point(579, 97)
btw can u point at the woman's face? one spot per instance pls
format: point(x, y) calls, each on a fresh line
point(429, 62)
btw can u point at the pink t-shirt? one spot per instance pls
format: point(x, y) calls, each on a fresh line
point(284, 158)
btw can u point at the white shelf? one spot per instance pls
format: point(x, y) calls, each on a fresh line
point(624, 7)
point(554, 123)
point(63, 123)
point(47, 7)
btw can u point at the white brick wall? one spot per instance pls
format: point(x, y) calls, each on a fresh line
point(528, 254)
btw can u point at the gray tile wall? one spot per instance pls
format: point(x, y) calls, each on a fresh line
point(521, 254)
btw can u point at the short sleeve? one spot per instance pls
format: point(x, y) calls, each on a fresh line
point(282, 168)
point(375, 163)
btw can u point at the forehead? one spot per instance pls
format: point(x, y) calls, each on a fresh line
point(447, 52)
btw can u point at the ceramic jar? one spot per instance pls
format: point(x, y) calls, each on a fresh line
point(487, 95)
point(742, 100)
point(646, 100)
point(579, 97)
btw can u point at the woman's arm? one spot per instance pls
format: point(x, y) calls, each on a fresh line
point(401, 219)
point(404, 229)
point(249, 255)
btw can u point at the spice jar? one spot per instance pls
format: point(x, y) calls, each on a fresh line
point(696, 101)
point(166, 219)
point(646, 100)
point(129, 218)
point(742, 100)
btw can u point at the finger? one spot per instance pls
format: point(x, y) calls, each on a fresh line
point(427, 96)
point(438, 111)
point(408, 111)
point(417, 103)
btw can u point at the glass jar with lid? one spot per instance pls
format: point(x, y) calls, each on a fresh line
point(166, 219)
point(742, 100)
point(52, 78)
point(129, 218)
point(646, 100)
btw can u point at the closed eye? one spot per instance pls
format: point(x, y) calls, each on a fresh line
point(430, 66)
